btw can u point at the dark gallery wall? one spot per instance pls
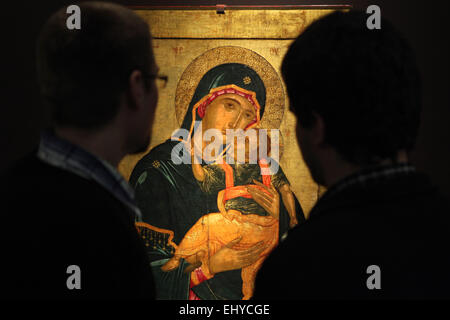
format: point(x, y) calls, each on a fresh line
point(424, 23)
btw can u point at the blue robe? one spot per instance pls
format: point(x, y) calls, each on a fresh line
point(170, 198)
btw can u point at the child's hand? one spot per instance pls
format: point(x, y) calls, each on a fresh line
point(269, 200)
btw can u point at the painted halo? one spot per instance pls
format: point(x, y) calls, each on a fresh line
point(275, 99)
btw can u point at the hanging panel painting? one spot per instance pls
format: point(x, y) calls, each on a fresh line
point(193, 213)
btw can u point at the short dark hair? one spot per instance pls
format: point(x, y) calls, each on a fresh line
point(82, 73)
point(363, 83)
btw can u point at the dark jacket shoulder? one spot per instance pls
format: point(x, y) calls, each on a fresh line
point(55, 219)
point(401, 226)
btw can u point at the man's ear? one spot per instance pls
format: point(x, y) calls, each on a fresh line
point(317, 130)
point(136, 89)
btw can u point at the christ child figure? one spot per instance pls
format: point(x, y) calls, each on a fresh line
point(239, 217)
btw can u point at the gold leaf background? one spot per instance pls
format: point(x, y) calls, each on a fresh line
point(180, 36)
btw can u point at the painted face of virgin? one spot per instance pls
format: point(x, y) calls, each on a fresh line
point(229, 111)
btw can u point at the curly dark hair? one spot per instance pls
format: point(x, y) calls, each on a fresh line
point(363, 83)
point(82, 73)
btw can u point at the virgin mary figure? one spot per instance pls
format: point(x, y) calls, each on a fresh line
point(173, 198)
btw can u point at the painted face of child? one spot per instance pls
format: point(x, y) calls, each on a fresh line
point(249, 146)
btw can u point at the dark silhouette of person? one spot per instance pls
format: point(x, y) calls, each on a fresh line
point(381, 229)
point(68, 215)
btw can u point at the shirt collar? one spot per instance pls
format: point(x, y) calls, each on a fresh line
point(61, 153)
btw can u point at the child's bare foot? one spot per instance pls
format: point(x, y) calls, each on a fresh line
point(171, 264)
point(293, 222)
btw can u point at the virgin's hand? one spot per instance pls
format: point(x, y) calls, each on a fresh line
point(227, 258)
point(270, 202)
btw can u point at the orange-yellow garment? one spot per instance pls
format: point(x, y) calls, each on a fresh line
point(213, 231)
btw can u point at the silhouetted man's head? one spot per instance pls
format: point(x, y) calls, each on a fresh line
point(360, 86)
point(87, 75)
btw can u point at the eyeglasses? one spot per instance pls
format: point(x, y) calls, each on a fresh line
point(161, 79)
